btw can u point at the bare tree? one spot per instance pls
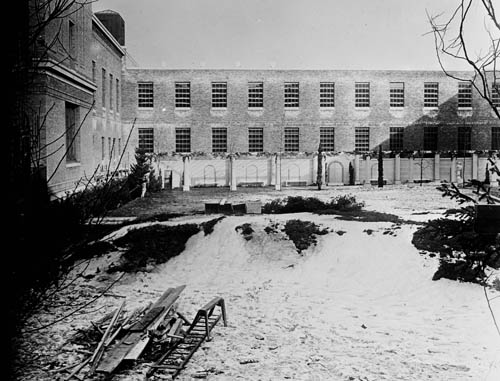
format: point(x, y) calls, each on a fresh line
point(455, 40)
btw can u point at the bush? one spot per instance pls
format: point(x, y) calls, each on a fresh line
point(298, 204)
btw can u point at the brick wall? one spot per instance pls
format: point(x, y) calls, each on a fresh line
point(237, 118)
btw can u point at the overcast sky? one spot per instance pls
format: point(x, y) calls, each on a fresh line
point(281, 34)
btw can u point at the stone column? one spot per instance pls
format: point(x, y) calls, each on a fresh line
point(187, 173)
point(162, 176)
point(437, 175)
point(397, 169)
point(232, 167)
point(277, 185)
point(453, 169)
point(475, 165)
point(368, 173)
point(356, 169)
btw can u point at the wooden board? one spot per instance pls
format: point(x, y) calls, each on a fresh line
point(146, 320)
point(115, 355)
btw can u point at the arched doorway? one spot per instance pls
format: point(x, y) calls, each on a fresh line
point(335, 173)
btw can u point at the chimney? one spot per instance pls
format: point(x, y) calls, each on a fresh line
point(114, 23)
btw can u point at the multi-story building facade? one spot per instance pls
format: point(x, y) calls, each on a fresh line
point(75, 99)
point(296, 110)
point(257, 113)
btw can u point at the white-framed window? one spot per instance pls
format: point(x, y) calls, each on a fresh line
point(464, 95)
point(495, 138)
point(362, 139)
point(219, 139)
point(111, 83)
point(146, 139)
point(396, 94)
point(255, 94)
point(72, 133)
point(255, 139)
point(431, 94)
point(103, 87)
point(291, 94)
point(182, 140)
point(327, 94)
point(396, 138)
point(291, 139)
point(219, 94)
point(362, 94)
point(145, 94)
point(464, 138)
point(430, 138)
point(182, 94)
point(327, 138)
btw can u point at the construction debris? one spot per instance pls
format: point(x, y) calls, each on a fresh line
point(157, 334)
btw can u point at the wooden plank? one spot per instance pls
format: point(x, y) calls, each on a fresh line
point(146, 320)
point(115, 356)
point(96, 357)
point(168, 303)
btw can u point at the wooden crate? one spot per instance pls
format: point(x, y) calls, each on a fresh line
point(253, 207)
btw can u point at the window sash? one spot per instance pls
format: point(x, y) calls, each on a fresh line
point(327, 94)
point(362, 139)
point(255, 94)
point(255, 140)
point(291, 90)
point(327, 138)
point(183, 94)
point(396, 138)
point(219, 140)
point(182, 140)
point(464, 95)
point(430, 138)
point(146, 139)
point(431, 94)
point(362, 94)
point(219, 95)
point(291, 139)
point(397, 94)
point(145, 93)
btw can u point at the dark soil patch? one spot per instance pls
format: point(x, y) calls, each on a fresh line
point(152, 245)
point(208, 227)
point(303, 233)
point(245, 230)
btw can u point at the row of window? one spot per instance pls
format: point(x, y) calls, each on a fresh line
point(114, 148)
point(108, 82)
point(291, 139)
point(145, 92)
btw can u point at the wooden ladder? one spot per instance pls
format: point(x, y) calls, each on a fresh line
point(172, 362)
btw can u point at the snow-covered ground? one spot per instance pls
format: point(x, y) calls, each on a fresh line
point(360, 305)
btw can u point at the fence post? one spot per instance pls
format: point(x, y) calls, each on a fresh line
point(233, 173)
point(437, 159)
point(187, 175)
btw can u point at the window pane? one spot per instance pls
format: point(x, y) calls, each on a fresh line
point(362, 139)
point(219, 94)
point(219, 140)
point(145, 94)
point(327, 138)
point(291, 94)
point(291, 139)
point(327, 94)
point(183, 94)
point(362, 94)
point(146, 139)
point(396, 138)
point(255, 140)
point(255, 94)
point(183, 140)
point(397, 94)
point(464, 95)
point(431, 94)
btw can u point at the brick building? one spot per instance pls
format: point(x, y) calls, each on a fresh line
point(75, 100)
point(214, 113)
